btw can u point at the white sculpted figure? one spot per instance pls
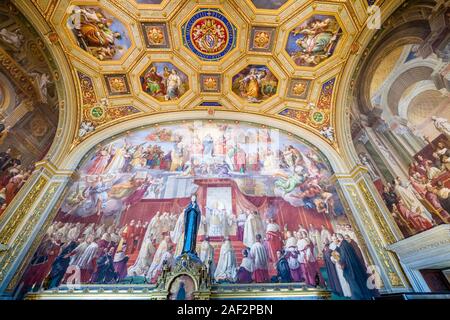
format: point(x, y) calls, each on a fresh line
point(442, 125)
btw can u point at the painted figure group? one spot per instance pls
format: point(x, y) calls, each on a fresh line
point(109, 230)
point(94, 31)
point(315, 40)
point(255, 84)
point(12, 177)
point(422, 201)
point(120, 175)
point(261, 251)
point(167, 85)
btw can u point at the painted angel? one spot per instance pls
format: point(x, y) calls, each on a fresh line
point(288, 182)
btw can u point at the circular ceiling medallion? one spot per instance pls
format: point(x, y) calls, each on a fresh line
point(209, 34)
point(96, 113)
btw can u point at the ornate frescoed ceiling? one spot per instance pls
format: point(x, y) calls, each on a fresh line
point(344, 77)
point(280, 59)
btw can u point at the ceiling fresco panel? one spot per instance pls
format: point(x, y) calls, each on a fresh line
point(314, 40)
point(164, 82)
point(255, 83)
point(98, 32)
point(269, 4)
point(292, 44)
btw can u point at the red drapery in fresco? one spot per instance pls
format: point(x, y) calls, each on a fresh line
point(286, 214)
point(427, 153)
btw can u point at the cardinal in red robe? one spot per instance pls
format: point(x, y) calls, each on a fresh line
point(274, 240)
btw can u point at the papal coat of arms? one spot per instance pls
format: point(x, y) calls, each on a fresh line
point(209, 34)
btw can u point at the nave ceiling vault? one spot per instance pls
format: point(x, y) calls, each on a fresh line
point(111, 82)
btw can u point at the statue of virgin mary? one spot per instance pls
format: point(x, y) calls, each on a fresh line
point(192, 218)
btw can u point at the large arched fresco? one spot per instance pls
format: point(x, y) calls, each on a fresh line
point(28, 101)
point(401, 127)
point(122, 217)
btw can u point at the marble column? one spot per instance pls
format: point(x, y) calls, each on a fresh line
point(403, 153)
point(411, 142)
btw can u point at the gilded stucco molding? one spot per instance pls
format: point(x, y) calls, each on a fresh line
point(387, 259)
point(377, 214)
point(138, 292)
point(19, 214)
point(17, 74)
point(26, 231)
point(356, 228)
point(35, 242)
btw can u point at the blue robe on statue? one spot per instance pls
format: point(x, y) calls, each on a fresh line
point(192, 218)
point(354, 272)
